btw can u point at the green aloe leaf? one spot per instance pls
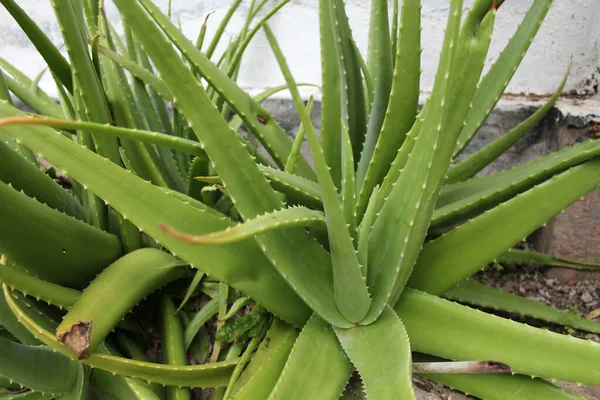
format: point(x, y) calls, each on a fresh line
point(89, 88)
point(527, 350)
point(236, 307)
point(354, 113)
point(348, 184)
point(351, 295)
point(173, 350)
point(310, 276)
point(470, 198)
point(296, 189)
point(501, 386)
point(480, 295)
point(208, 311)
point(247, 38)
point(95, 313)
point(290, 164)
point(514, 256)
point(26, 84)
point(450, 259)
point(29, 395)
point(51, 293)
point(381, 353)
point(402, 223)
point(148, 206)
point(27, 177)
point(364, 230)
point(181, 144)
point(221, 28)
point(381, 69)
point(210, 375)
point(331, 103)
point(109, 386)
point(13, 326)
point(316, 362)
point(395, 32)
point(20, 85)
point(191, 288)
point(368, 83)
point(139, 72)
point(495, 81)
point(403, 103)
point(264, 369)
point(37, 368)
point(236, 122)
point(57, 63)
point(262, 125)
point(474, 163)
point(282, 219)
point(144, 158)
point(71, 258)
point(80, 390)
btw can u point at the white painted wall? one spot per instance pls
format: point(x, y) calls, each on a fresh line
point(571, 30)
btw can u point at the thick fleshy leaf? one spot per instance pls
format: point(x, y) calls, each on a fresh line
point(351, 295)
point(480, 295)
point(92, 96)
point(381, 69)
point(495, 81)
point(209, 375)
point(51, 293)
point(468, 335)
point(467, 199)
point(37, 368)
point(354, 112)
point(173, 350)
point(474, 163)
point(310, 275)
point(402, 223)
point(500, 386)
point(285, 218)
point(131, 278)
point(258, 120)
point(520, 257)
point(296, 151)
point(110, 386)
point(71, 258)
point(317, 361)
point(148, 206)
point(57, 63)
point(403, 103)
point(331, 102)
point(381, 353)
point(263, 371)
point(27, 177)
point(453, 257)
point(13, 326)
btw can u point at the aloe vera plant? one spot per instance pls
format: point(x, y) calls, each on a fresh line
point(308, 274)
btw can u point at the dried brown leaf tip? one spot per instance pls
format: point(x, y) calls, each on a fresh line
point(261, 119)
point(462, 367)
point(14, 391)
point(78, 338)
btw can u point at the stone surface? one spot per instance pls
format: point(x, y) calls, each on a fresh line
point(574, 234)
